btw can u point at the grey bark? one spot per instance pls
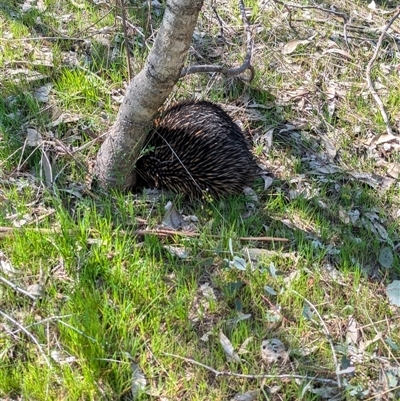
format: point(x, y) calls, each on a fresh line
point(146, 94)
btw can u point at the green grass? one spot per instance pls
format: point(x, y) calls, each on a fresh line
point(112, 297)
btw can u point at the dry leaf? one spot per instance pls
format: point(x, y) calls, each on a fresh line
point(172, 217)
point(42, 93)
point(291, 46)
point(6, 266)
point(393, 169)
point(341, 52)
point(33, 137)
point(352, 334)
point(208, 291)
point(267, 181)
point(36, 290)
point(243, 348)
point(47, 169)
point(248, 396)
point(178, 251)
point(60, 358)
point(139, 381)
point(231, 355)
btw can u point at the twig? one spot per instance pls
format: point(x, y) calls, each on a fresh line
point(5, 231)
point(228, 72)
point(148, 22)
point(133, 27)
point(46, 320)
point(326, 331)
point(368, 73)
point(79, 331)
point(41, 38)
point(243, 376)
point(379, 395)
point(17, 289)
point(246, 65)
point(289, 11)
point(221, 25)
point(128, 61)
point(325, 10)
point(30, 335)
point(168, 233)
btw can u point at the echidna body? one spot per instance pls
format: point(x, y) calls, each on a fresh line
point(197, 148)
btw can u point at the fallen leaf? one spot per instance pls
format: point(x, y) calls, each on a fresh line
point(178, 251)
point(352, 334)
point(139, 381)
point(248, 396)
point(172, 217)
point(6, 266)
point(33, 137)
point(42, 94)
point(393, 292)
point(386, 257)
point(341, 52)
point(291, 46)
point(231, 355)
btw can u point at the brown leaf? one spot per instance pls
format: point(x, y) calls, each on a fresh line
point(291, 46)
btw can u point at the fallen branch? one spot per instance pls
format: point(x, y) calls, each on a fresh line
point(7, 231)
point(170, 233)
point(256, 376)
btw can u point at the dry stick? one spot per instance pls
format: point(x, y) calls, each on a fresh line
point(17, 289)
point(379, 395)
point(30, 335)
point(326, 331)
point(345, 35)
point(78, 38)
point(192, 234)
point(46, 320)
point(326, 10)
point(79, 332)
point(6, 231)
point(148, 22)
point(368, 74)
point(241, 375)
point(40, 38)
point(388, 349)
point(246, 65)
point(221, 25)
point(289, 11)
point(128, 62)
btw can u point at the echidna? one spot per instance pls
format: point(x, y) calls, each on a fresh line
point(195, 147)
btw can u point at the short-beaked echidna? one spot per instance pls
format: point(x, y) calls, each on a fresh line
point(195, 147)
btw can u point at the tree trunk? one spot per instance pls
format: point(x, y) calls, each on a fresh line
point(146, 94)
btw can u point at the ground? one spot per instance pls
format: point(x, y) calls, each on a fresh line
point(288, 293)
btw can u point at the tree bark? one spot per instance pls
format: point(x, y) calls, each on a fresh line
point(145, 95)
